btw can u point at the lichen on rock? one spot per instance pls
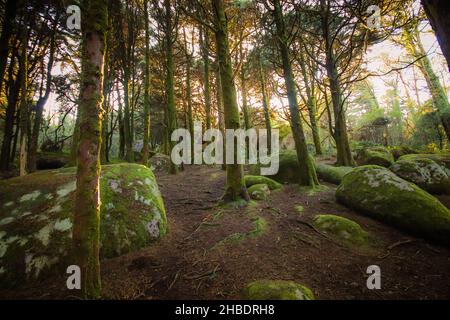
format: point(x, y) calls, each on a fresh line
point(259, 191)
point(379, 156)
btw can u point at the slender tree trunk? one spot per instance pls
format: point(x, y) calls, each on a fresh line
point(204, 44)
point(170, 89)
point(145, 148)
point(220, 111)
point(344, 154)
point(129, 155)
point(266, 104)
point(308, 176)
point(438, 12)
point(244, 92)
point(32, 153)
point(75, 140)
point(106, 108)
point(24, 110)
point(7, 31)
point(86, 227)
point(235, 186)
point(438, 93)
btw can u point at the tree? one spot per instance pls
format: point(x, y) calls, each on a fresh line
point(86, 227)
point(145, 149)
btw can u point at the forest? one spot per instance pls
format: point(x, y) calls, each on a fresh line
point(224, 149)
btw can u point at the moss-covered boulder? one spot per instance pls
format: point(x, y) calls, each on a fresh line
point(399, 151)
point(342, 229)
point(288, 168)
point(51, 160)
point(426, 173)
point(277, 290)
point(379, 156)
point(442, 159)
point(331, 174)
point(36, 214)
point(159, 162)
point(252, 180)
point(259, 191)
point(379, 193)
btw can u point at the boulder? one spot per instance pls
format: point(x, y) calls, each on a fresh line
point(400, 151)
point(288, 168)
point(51, 160)
point(259, 191)
point(159, 162)
point(331, 174)
point(252, 180)
point(342, 229)
point(379, 156)
point(379, 193)
point(277, 290)
point(425, 173)
point(36, 216)
point(441, 159)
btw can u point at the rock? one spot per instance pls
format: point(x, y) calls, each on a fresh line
point(400, 151)
point(342, 229)
point(379, 156)
point(379, 193)
point(36, 215)
point(277, 290)
point(288, 168)
point(330, 173)
point(252, 180)
point(159, 162)
point(51, 160)
point(425, 173)
point(441, 159)
point(259, 191)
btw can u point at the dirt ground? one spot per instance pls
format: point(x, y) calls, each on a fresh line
point(212, 252)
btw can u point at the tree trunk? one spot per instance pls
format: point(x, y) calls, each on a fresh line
point(146, 133)
point(344, 154)
point(190, 119)
point(266, 105)
point(86, 227)
point(438, 93)
point(170, 89)
point(204, 44)
point(24, 112)
point(438, 12)
point(308, 176)
point(235, 186)
point(219, 102)
point(7, 31)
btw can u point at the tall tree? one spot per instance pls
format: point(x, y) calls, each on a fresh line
point(146, 133)
point(86, 228)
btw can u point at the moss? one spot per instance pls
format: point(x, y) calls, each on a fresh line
point(441, 159)
point(379, 193)
point(277, 290)
point(425, 173)
point(300, 209)
point(379, 156)
point(252, 180)
point(37, 239)
point(331, 174)
point(289, 170)
point(342, 229)
point(259, 191)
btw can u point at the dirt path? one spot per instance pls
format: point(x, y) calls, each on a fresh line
point(212, 253)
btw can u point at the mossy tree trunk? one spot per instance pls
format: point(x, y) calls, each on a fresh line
point(24, 110)
point(438, 93)
point(146, 133)
point(340, 135)
point(107, 85)
point(266, 104)
point(190, 117)
point(204, 45)
point(219, 102)
point(308, 176)
point(244, 91)
point(86, 227)
point(170, 88)
point(235, 186)
point(438, 12)
point(10, 12)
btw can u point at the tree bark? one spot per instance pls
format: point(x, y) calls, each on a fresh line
point(24, 112)
point(86, 227)
point(308, 176)
point(146, 133)
point(438, 12)
point(204, 45)
point(7, 31)
point(266, 104)
point(235, 186)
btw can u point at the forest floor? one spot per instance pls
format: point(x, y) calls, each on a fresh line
point(212, 252)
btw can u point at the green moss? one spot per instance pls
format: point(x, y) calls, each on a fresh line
point(425, 173)
point(289, 170)
point(442, 159)
point(252, 180)
point(300, 209)
point(277, 290)
point(331, 174)
point(379, 156)
point(259, 191)
point(342, 229)
point(37, 240)
point(381, 194)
